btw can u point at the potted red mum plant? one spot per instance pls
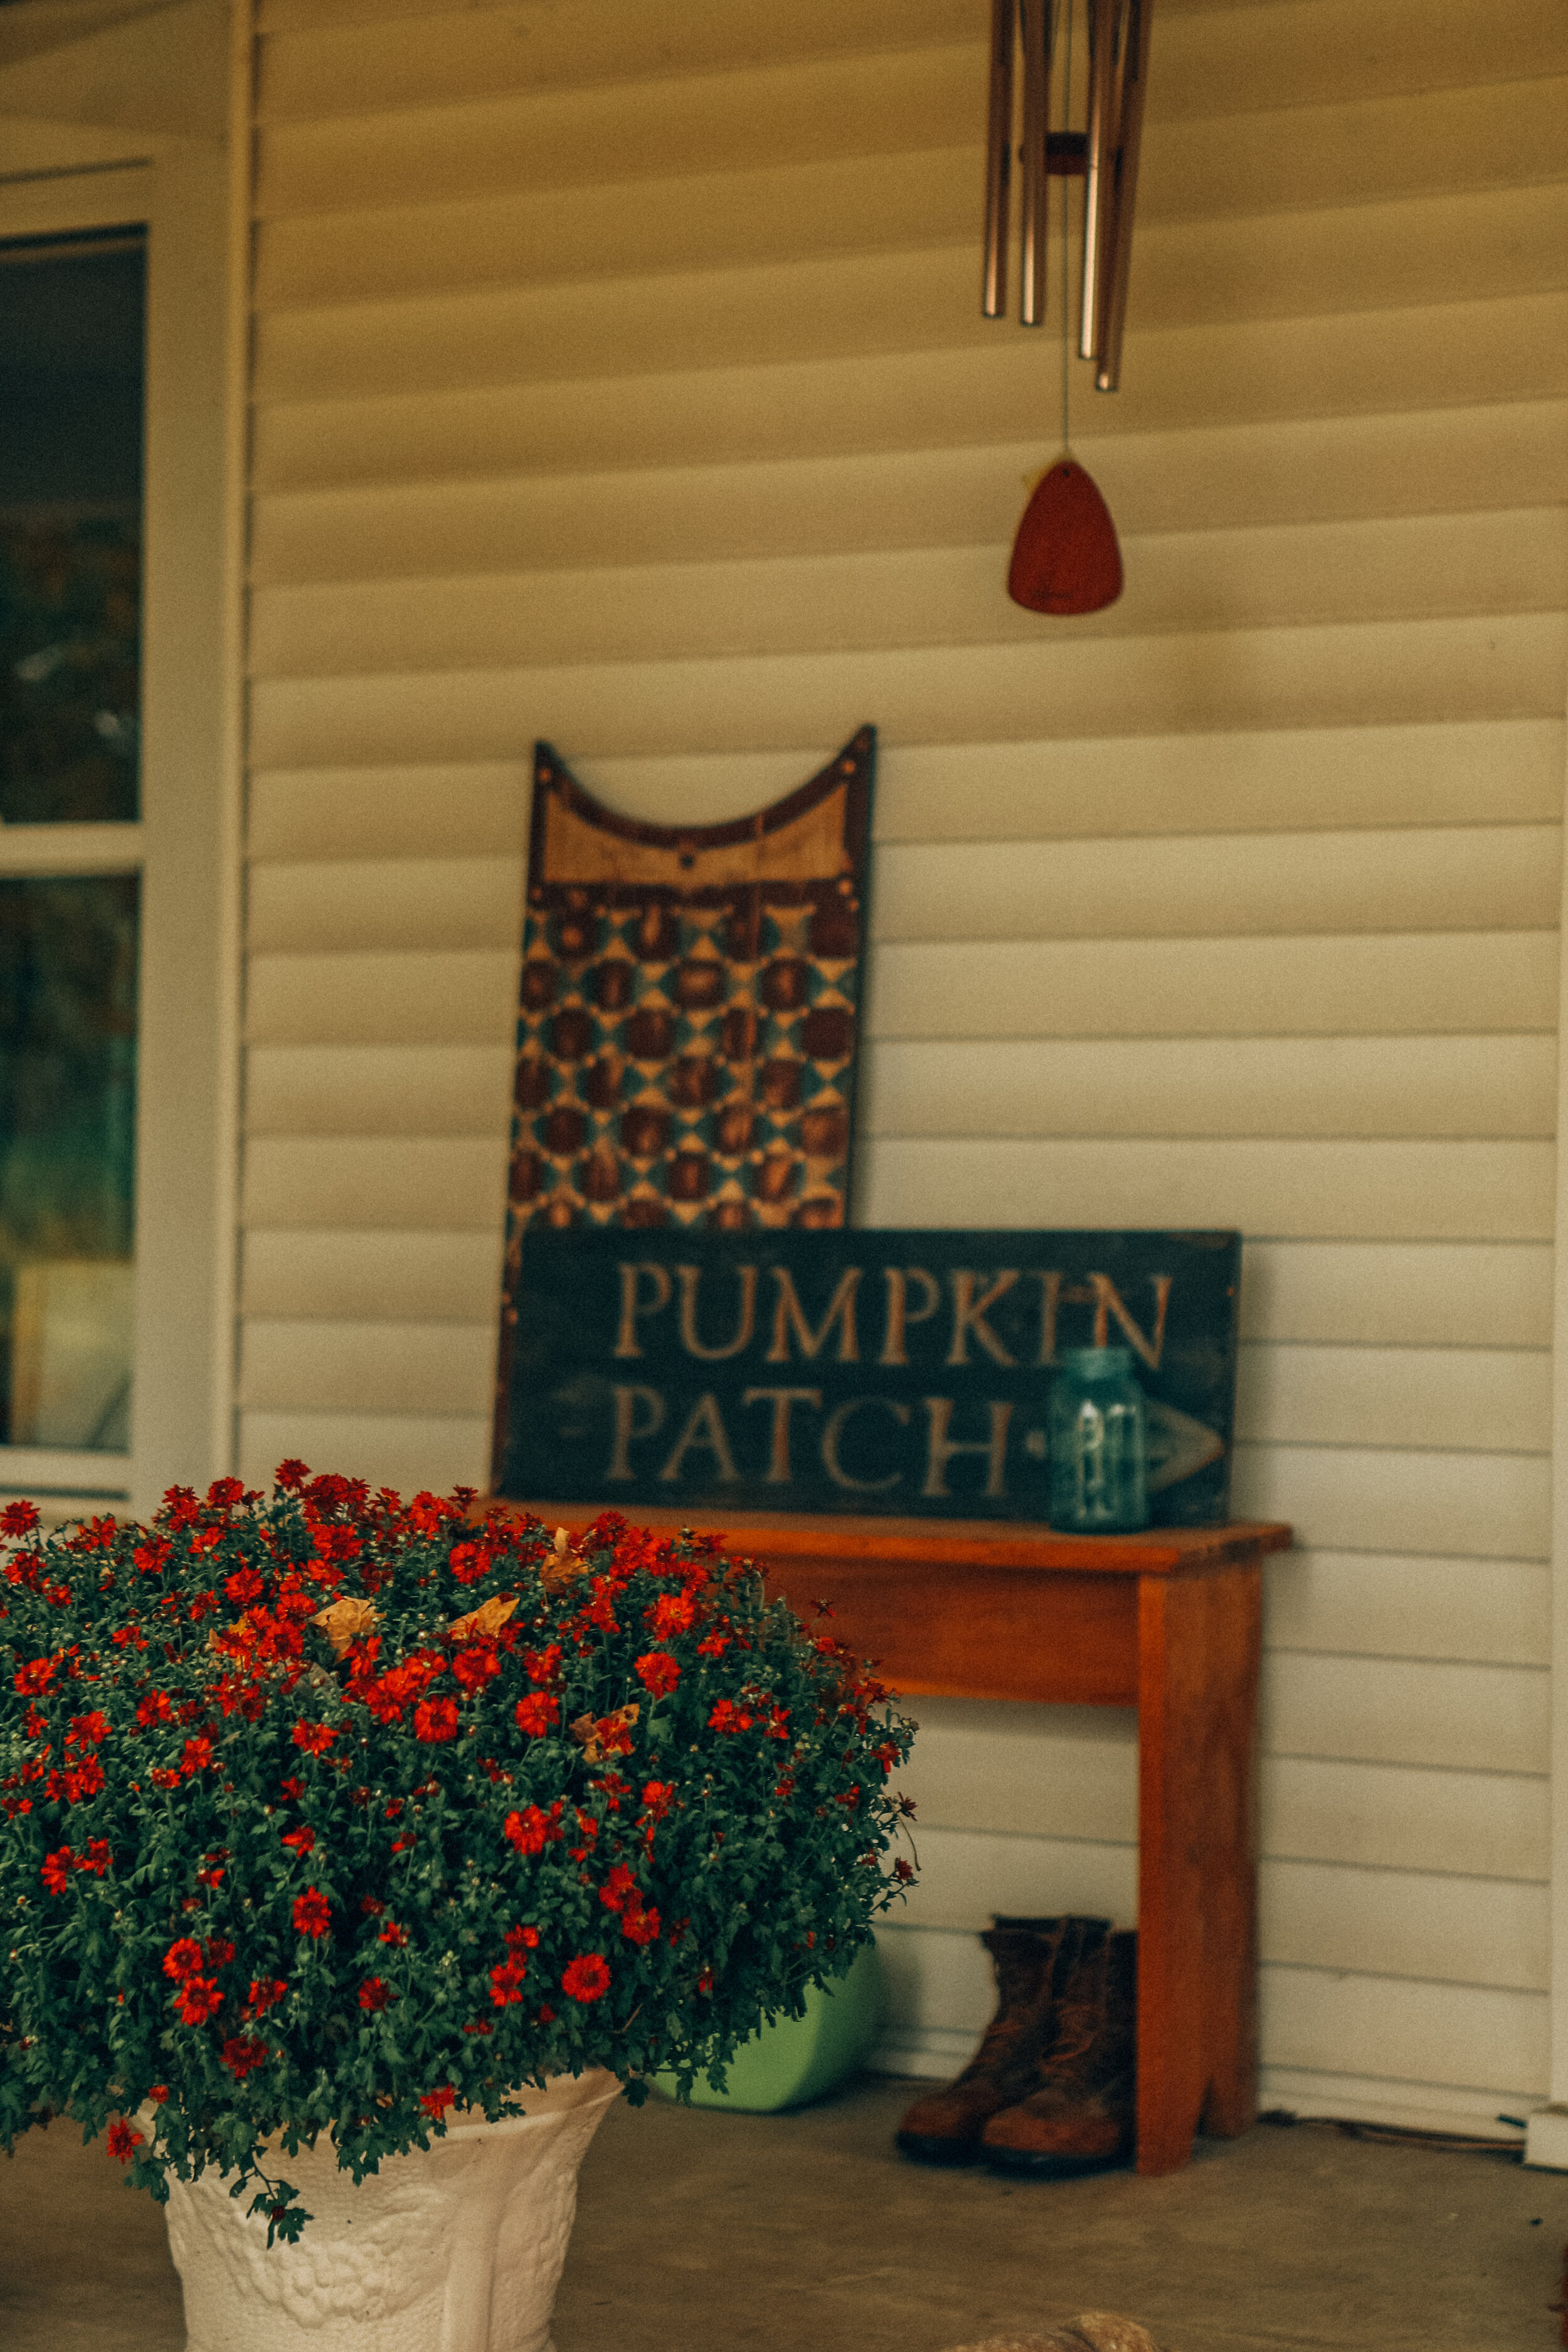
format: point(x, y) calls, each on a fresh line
point(354, 1854)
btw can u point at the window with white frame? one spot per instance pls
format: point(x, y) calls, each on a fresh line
point(117, 828)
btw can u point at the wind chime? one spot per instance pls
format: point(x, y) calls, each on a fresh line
point(1065, 556)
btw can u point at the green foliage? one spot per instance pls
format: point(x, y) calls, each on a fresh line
point(326, 1813)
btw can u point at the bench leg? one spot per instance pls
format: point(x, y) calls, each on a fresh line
point(1198, 1919)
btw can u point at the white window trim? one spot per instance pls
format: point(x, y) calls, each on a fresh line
point(186, 845)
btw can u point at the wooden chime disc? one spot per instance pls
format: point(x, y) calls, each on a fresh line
point(1065, 557)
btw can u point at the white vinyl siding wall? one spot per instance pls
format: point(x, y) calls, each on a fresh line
point(620, 377)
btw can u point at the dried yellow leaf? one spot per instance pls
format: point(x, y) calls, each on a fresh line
point(484, 1622)
point(600, 1736)
point(344, 1622)
point(564, 1565)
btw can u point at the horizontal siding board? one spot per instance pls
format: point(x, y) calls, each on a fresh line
point(1422, 356)
point(1471, 878)
point(395, 1276)
point(1398, 1293)
point(1480, 1398)
point(1492, 1613)
point(890, 163)
point(377, 1090)
point(1339, 1191)
point(964, 1878)
point(1402, 982)
point(451, 902)
point(1382, 673)
point(1406, 1711)
point(1384, 2027)
point(1345, 1498)
point(1446, 1929)
point(1482, 1824)
point(1236, 477)
point(476, 811)
point(1480, 244)
point(367, 1367)
point(1051, 1772)
point(1243, 1087)
point(1312, 49)
point(1396, 1924)
point(1450, 879)
point(449, 1184)
point(405, 1452)
point(1071, 1774)
point(416, 998)
point(1343, 573)
point(1498, 772)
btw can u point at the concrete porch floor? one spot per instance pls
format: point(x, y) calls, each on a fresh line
point(701, 2231)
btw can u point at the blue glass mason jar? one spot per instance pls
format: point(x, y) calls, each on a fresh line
point(1099, 1474)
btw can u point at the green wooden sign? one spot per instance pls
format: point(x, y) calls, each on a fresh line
point(901, 1372)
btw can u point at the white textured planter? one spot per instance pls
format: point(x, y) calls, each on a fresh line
point(456, 2250)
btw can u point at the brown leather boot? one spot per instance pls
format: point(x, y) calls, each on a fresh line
point(1081, 2115)
point(1032, 1959)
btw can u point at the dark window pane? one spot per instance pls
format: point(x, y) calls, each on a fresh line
point(72, 318)
point(67, 1115)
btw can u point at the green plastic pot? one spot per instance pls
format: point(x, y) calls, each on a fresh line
point(800, 2058)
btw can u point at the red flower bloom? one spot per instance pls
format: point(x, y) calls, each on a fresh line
point(374, 1994)
point(506, 1982)
point(727, 1717)
point(531, 1831)
point(84, 1780)
point(198, 1754)
point(224, 1493)
point(18, 1518)
point(34, 1677)
point(640, 1926)
point(475, 1666)
point(121, 2138)
point(312, 1912)
point(658, 1672)
point(266, 1992)
point(436, 2102)
point(542, 1665)
point(656, 1798)
point(197, 1999)
point(292, 1787)
point(536, 1713)
point(153, 1709)
point(672, 1612)
point(393, 1934)
point(57, 1869)
point(301, 1840)
point(87, 1730)
point(315, 1738)
point(588, 1977)
point(242, 2056)
point(618, 1889)
point(243, 1585)
point(436, 1719)
point(291, 1475)
point(521, 1939)
point(470, 1562)
point(164, 1777)
point(714, 1647)
point(95, 1857)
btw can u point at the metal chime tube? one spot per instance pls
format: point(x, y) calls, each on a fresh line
point(1118, 46)
point(1035, 20)
point(999, 159)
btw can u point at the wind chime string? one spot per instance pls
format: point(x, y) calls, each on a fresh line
point(1065, 7)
